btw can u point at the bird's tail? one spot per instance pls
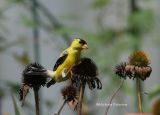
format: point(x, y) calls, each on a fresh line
point(51, 82)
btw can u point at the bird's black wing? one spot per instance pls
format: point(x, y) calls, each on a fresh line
point(60, 60)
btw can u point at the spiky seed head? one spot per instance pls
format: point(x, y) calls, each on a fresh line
point(69, 93)
point(85, 67)
point(84, 72)
point(120, 70)
point(138, 58)
point(34, 75)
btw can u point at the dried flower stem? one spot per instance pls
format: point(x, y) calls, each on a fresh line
point(61, 108)
point(82, 88)
point(36, 95)
point(139, 95)
point(114, 94)
point(36, 48)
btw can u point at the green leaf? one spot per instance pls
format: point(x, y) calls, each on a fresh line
point(141, 20)
point(2, 93)
point(62, 30)
point(99, 3)
point(154, 92)
point(27, 21)
point(17, 112)
point(14, 87)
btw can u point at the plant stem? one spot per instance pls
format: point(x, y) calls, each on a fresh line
point(133, 5)
point(17, 112)
point(36, 95)
point(139, 95)
point(36, 30)
point(82, 88)
point(134, 8)
point(114, 94)
point(61, 108)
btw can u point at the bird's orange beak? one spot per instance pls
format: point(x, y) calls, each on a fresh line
point(85, 46)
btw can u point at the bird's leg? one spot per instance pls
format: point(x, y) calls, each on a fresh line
point(69, 70)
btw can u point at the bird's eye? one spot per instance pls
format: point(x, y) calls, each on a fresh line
point(82, 42)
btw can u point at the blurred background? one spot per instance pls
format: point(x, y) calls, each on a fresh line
point(38, 30)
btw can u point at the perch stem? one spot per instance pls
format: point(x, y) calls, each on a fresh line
point(61, 108)
point(82, 88)
point(114, 94)
point(36, 95)
point(139, 95)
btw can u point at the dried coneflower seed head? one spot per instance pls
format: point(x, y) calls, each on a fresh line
point(85, 67)
point(124, 70)
point(120, 70)
point(86, 72)
point(34, 75)
point(137, 67)
point(140, 62)
point(69, 93)
point(138, 58)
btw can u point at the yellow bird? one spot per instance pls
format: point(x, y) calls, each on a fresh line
point(67, 59)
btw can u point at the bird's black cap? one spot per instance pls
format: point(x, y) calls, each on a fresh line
point(82, 41)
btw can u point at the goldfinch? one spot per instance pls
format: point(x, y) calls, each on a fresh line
point(65, 62)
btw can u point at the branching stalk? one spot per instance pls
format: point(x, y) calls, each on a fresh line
point(82, 88)
point(61, 108)
point(114, 94)
point(36, 95)
point(139, 95)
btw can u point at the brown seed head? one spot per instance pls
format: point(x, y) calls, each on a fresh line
point(138, 58)
point(86, 72)
point(69, 93)
point(34, 75)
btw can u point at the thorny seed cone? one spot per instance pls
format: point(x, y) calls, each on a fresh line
point(138, 58)
point(120, 70)
point(34, 75)
point(86, 72)
point(137, 66)
point(70, 93)
point(85, 67)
